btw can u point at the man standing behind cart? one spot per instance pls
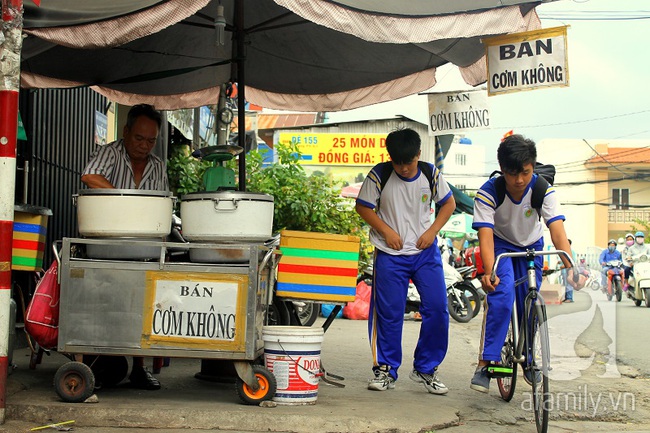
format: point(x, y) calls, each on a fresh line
point(129, 164)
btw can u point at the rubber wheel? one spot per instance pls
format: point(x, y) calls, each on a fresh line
point(507, 384)
point(459, 309)
point(540, 355)
point(304, 315)
point(619, 290)
point(474, 298)
point(108, 370)
point(637, 302)
point(74, 382)
point(278, 314)
point(595, 285)
point(647, 297)
point(266, 391)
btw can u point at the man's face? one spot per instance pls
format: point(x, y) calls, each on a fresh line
point(407, 169)
point(140, 139)
point(516, 183)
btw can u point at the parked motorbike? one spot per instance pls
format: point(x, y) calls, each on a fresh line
point(458, 301)
point(472, 287)
point(593, 280)
point(639, 281)
point(614, 280)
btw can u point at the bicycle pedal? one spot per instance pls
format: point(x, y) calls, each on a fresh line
point(499, 371)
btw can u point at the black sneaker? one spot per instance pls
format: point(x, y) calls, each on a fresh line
point(141, 378)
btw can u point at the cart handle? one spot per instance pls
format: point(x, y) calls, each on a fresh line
point(57, 257)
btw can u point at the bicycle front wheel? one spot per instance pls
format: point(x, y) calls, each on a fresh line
point(538, 366)
point(508, 379)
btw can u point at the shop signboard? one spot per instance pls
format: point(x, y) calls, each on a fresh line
point(338, 149)
point(527, 61)
point(458, 112)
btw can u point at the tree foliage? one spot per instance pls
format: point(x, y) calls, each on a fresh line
point(301, 202)
point(305, 202)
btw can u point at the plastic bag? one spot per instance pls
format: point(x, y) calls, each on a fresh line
point(42, 316)
point(360, 307)
point(326, 310)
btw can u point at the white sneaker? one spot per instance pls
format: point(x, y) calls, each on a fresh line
point(382, 380)
point(430, 381)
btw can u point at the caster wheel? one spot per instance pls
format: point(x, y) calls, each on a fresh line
point(267, 388)
point(74, 382)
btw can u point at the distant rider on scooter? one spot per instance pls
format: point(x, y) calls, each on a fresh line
point(611, 253)
point(637, 248)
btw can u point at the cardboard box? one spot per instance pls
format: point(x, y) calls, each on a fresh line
point(318, 266)
point(28, 243)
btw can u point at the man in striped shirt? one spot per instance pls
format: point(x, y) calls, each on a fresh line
point(128, 163)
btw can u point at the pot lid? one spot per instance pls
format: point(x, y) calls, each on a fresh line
point(227, 195)
point(129, 192)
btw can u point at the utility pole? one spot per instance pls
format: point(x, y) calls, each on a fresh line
point(10, 45)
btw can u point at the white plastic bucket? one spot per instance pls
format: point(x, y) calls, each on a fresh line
point(292, 354)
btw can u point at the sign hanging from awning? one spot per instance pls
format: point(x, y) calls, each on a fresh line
point(527, 61)
point(457, 112)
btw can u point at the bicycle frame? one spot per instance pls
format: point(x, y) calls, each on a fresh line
point(531, 299)
point(522, 347)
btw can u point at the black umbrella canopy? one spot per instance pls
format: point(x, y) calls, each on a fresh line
point(315, 55)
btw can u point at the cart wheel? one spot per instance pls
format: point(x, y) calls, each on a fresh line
point(108, 370)
point(74, 382)
point(267, 389)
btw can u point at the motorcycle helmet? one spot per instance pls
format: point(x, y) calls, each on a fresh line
point(629, 239)
point(611, 245)
point(640, 237)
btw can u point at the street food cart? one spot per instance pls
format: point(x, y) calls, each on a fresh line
point(161, 308)
point(127, 291)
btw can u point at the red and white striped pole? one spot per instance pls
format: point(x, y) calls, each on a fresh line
point(10, 46)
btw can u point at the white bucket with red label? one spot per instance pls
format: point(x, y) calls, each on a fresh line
point(292, 354)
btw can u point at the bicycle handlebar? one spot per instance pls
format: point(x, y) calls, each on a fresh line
point(533, 253)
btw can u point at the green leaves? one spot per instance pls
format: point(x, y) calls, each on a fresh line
point(301, 202)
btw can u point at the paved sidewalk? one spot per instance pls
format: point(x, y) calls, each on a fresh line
point(188, 403)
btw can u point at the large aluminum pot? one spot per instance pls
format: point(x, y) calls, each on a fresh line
point(227, 216)
point(130, 213)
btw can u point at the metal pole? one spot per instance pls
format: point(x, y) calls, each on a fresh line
point(241, 97)
point(10, 46)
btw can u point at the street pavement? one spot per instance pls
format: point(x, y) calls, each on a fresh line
point(589, 392)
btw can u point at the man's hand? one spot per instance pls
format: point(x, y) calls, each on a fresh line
point(488, 286)
point(426, 240)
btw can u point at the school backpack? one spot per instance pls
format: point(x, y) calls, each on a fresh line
point(545, 178)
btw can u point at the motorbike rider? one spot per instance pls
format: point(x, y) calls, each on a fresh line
point(609, 254)
point(637, 248)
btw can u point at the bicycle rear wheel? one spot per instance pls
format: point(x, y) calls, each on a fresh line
point(507, 382)
point(539, 366)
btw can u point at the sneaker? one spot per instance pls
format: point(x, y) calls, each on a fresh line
point(528, 376)
point(481, 380)
point(382, 380)
point(430, 381)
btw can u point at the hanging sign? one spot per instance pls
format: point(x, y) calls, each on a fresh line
point(456, 112)
point(527, 61)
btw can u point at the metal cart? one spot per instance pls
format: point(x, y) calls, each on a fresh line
point(161, 308)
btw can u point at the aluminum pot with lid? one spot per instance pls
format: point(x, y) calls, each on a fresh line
point(129, 213)
point(227, 216)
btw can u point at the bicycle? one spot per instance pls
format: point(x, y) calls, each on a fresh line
point(527, 343)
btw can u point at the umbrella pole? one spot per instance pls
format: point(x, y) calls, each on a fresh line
point(12, 23)
point(241, 97)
